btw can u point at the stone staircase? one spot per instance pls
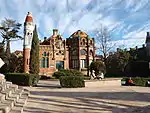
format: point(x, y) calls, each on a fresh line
point(12, 98)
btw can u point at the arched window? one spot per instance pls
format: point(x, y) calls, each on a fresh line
point(45, 60)
point(91, 42)
point(83, 52)
point(83, 41)
point(44, 54)
point(91, 52)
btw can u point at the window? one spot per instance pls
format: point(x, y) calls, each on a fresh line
point(91, 52)
point(27, 61)
point(83, 41)
point(75, 64)
point(44, 54)
point(45, 60)
point(91, 42)
point(83, 52)
point(60, 65)
point(84, 63)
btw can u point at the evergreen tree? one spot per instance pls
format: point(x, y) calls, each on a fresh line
point(9, 30)
point(2, 51)
point(34, 54)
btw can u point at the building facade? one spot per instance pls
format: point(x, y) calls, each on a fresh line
point(55, 53)
point(76, 52)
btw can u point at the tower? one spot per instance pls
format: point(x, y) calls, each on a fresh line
point(148, 43)
point(28, 35)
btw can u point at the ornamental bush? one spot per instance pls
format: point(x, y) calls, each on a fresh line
point(72, 81)
point(98, 66)
point(67, 72)
point(138, 81)
point(22, 78)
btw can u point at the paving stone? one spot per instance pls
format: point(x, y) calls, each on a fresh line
point(46, 98)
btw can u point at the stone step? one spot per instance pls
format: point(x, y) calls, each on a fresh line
point(2, 97)
point(3, 87)
point(19, 92)
point(2, 81)
point(4, 108)
point(7, 92)
point(10, 103)
point(12, 97)
point(16, 109)
point(23, 98)
point(11, 90)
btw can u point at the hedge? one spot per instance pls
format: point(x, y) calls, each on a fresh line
point(112, 75)
point(22, 78)
point(138, 81)
point(72, 81)
point(67, 72)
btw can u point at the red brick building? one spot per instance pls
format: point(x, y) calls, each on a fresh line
point(53, 54)
point(56, 53)
point(76, 52)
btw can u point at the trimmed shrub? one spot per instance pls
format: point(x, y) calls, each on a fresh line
point(67, 72)
point(98, 66)
point(138, 81)
point(58, 74)
point(22, 78)
point(72, 81)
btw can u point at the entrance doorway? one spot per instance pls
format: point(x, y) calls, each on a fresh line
point(60, 65)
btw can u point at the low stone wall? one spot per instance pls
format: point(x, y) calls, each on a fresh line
point(105, 82)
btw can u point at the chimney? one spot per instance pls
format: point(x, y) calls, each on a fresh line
point(147, 34)
point(136, 47)
point(45, 38)
point(55, 32)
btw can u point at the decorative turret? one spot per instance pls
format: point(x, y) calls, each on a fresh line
point(55, 32)
point(28, 30)
point(148, 43)
point(28, 35)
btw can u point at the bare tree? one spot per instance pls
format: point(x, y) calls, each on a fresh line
point(103, 41)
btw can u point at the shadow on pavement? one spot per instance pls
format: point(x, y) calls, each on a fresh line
point(60, 101)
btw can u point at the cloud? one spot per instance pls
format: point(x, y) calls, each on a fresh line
point(126, 19)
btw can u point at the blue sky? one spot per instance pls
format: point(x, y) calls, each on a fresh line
point(127, 20)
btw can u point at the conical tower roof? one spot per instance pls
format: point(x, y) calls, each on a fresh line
point(29, 17)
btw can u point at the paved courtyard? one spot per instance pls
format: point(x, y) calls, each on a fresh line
point(47, 97)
